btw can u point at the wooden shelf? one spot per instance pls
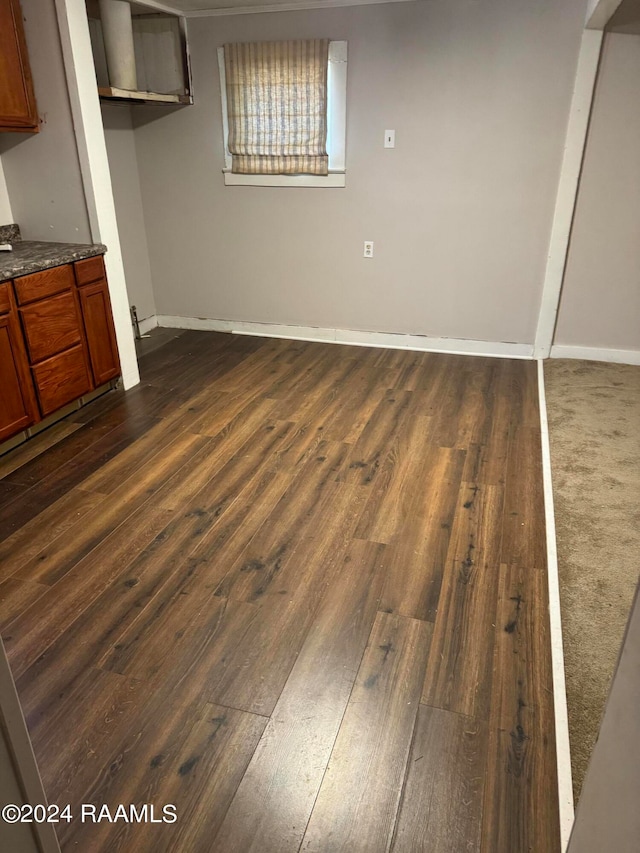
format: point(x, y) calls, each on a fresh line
point(110, 93)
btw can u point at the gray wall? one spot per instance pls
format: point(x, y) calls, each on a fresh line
point(460, 212)
point(123, 166)
point(600, 304)
point(608, 817)
point(42, 170)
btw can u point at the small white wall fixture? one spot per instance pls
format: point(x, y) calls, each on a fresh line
point(94, 165)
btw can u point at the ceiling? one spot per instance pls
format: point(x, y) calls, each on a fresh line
point(626, 19)
point(191, 6)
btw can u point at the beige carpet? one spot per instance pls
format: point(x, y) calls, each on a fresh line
point(594, 425)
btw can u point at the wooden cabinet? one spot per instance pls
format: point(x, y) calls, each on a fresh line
point(17, 100)
point(101, 336)
point(98, 319)
point(61, 379)
point(56, 344)
point(57, 341)
point(18, 408)
point(51, 326)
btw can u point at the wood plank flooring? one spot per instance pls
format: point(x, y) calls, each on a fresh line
point(296, 590)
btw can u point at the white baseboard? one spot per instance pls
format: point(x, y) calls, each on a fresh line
point(618, 356)
point(385, 340)
point(147, 324)
point(563, 752)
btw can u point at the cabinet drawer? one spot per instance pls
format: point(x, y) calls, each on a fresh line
point(61, 379)
point(89, 270)
point(5, 305)
point(51, 326)
point(45, 283)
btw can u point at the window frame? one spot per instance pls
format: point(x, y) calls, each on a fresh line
point(336, 130)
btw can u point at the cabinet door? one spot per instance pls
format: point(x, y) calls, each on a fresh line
point(17, 101)
point(101, 335)
point(18, 408)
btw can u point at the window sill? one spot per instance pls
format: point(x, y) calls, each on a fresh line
point(333, 179)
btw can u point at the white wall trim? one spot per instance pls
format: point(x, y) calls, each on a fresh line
point(94, 165)
point(162, 7)
point(599, 13)
point(332, 180)
point(563, 753)
point(148, 324)
point(6, 214)
point(385, 340)
point(617, 356)
point(568, 184)
point(291, 6)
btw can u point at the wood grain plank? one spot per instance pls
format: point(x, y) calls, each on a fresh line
point(369, 451)
point(357, 392)
point(147, 735)
point(41, 466)
point(111, 473)
point(30, 539)
point(441, 809)
point(524, 536)
point(15, 596)
point(314, 508)
point(32, 632)
point(409, 453)
point(459, 670)
point(242, 653)
point(274, 801)
point(360, 793)
point(10, 492)
point(61, 555)
point(306, 369)
point(521, 794)
point(90, 638)
point(201, 755)
point(210, 559)
point(422, 517)
point(487, 453)
point(313, 550)
point(84, 717)
point(37, 445)
point(74, 471)
point(247, 444)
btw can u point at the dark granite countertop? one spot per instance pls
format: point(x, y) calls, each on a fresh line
point(30, 256)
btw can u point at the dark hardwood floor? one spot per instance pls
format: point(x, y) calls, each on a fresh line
point(297, 590)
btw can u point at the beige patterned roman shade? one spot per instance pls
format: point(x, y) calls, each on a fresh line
point(277, 107)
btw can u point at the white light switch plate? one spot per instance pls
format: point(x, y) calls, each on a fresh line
point(389, 139)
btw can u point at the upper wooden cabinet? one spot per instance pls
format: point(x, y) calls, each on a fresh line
point(17, 101)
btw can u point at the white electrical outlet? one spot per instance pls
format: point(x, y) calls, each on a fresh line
point(389, 139)
point(368, 248)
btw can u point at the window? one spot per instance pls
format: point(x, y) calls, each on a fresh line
point(259, 155)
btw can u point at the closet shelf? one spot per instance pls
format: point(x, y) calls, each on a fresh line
point(110, 93)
